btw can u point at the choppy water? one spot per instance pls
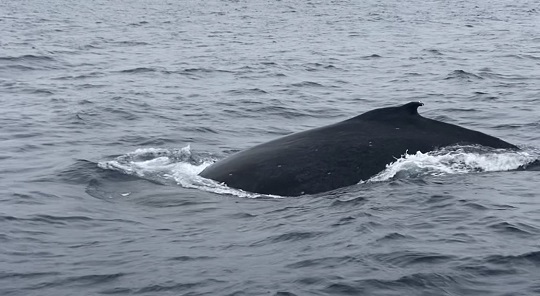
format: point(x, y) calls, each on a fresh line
point(110, 108)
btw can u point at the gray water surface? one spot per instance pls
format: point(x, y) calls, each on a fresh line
point(109, 108)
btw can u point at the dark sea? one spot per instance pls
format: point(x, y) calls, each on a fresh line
point(110, 109)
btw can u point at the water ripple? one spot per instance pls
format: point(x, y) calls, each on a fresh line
point(100, 102)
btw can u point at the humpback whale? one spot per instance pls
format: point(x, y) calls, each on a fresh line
point(340, 154)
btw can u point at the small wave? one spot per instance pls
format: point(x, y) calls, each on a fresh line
point(92, 279)
point(138, 23)
point(29, 63)
point(175, 166)
point(522, 56)
point(344, 221)
point(515, 228)
point(191, 258)
point(311, 67)
point(160, 288)
point(463, 75)
point(200, 70)
point(516, 260)
point(197, 73)
point(139, 70)
point(327, 262)
point(19, 67)
point(167, 287)
point(27, 57)
point(60, 219)
point(289, 237)
point(392, 237)
point(121, 112)
point(372, 56)
point(40, 91)
point(83, 280)
point(247, 91)
point(433, 51)
point(408, 258)
point(455, 160)
point(28, 275)
point(352, 202)
point(47, 219)
point(307, 84)
point(129, 43)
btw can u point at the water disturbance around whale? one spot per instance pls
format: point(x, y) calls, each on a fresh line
point(341, 154)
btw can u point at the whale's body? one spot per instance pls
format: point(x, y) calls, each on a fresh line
point(340, 154)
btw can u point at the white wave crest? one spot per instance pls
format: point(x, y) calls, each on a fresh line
point(454, 160)
point(179, 166)
point(182, 167)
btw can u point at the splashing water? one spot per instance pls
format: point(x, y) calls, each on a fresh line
point(177, 166)
point(182, 167)
point(156, 163)
point(455, 160)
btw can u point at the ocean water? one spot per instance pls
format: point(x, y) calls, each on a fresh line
point(109, 109)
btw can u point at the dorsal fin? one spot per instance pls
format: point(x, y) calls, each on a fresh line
point(412, 107)
point(391, 112)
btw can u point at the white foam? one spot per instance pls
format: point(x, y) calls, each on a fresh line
point(454, 160)
point(180, 166)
